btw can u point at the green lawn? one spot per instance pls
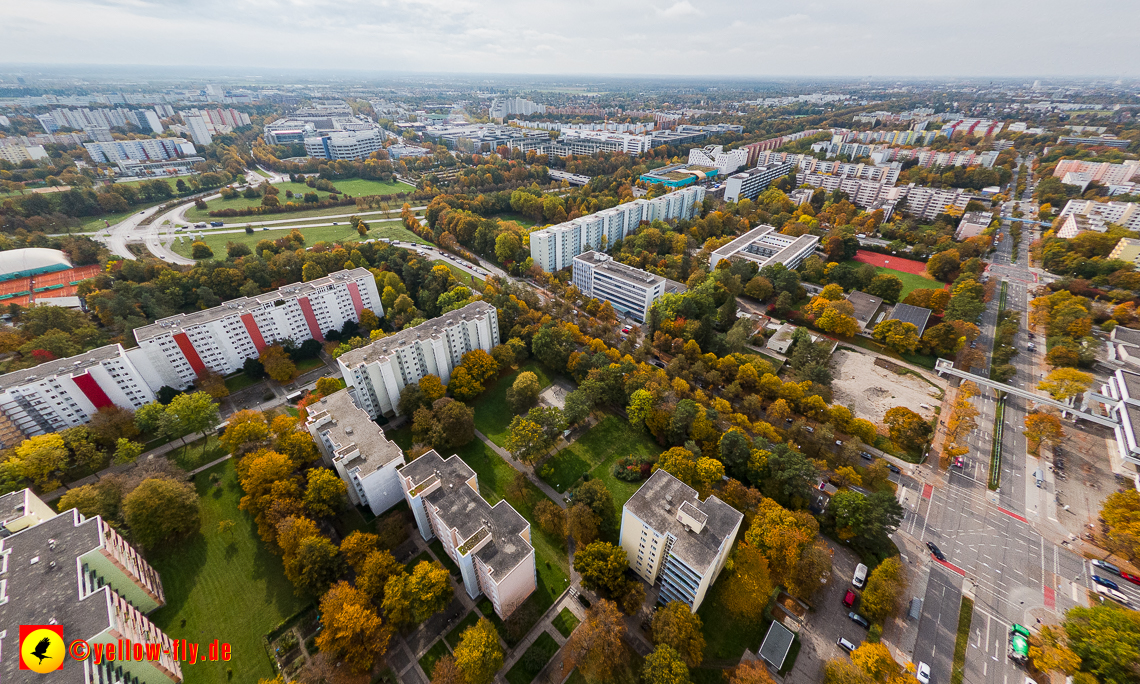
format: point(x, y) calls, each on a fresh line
point(433, 656)
point(236, 383)
point(356, 187)
point(535, 658)
point(342, 233)
point(466, 278)
point(192, 455)
point(437, 548)
point(306, 365)
point(225, 587)
point(492, 414)
point(96, 223)
point(517, 218)
point(607, 442)
point(565, 622)
point(910, 281)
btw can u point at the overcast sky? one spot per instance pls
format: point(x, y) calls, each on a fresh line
point(666, 37)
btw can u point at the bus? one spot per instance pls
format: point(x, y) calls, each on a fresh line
point(1018, 643)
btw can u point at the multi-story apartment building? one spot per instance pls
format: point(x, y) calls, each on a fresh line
point(15, 154)
point(1100, 172)
point(80, 574)
point(357, 449)
point(749, 184)
point(554, 248)
point(764, 245)
point(1080, 215)
point(174, 350)
point(1123, 388)
point(1101, 141)
point(867, 194)
point(378, 372)
point(673, 538)
point(345, 144)
point(1128, 249)
point(153, 149)
point(715, 156)
point(199, 127)
point(630, 290)
point(930, 202)
point(514, 105)
point(65, 393)
point(490, 544)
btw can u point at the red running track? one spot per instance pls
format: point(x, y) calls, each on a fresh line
point(892, 262)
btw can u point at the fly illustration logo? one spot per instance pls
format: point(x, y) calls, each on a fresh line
point(41, 648)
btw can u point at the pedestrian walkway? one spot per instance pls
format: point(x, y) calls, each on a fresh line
point(524, 469)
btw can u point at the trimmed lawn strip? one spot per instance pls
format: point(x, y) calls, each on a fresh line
point(239, 382)
point(466, 278)
point(609, 438)
point(492, 414)
point(342, 233)
point(528, 667)
point(193, 456)
point(433, 656)
point(436, 547)
point(965, 615)
point(517, 218)
point(306, 365)
point(469, 621)
point(356, 187)
point(565, 622)
point(226, 585)
point(995, 449)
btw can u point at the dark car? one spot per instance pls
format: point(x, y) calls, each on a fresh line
point(859, 620)
point(865, 456)
point(1105, 582)
point(935, 551)
point(893, 468)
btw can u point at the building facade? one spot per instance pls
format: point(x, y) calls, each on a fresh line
point(1128, 249)
point(153, 149)
point(78, 573)
point(356, 448)
point(173, 351)
point(629, 290)
point(490, 544)
point(378, 372)
point(65, 393)
point(715, 156)
point(1100, 214)
point(749, 184)
point(345, 144)
point(674, 539)
point(764, 245)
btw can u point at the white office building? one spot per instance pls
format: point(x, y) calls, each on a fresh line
point(174, 350)
point(749, 184)
point(345, 144)
point(764, 245)
point(676, 541)
point(490, 544)
point(631, 291)
point(356, 448)
point(65, 393)
point(378, 372)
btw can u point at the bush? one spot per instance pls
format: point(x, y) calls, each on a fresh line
point(631, 469)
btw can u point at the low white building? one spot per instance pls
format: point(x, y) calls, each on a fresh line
point(357, 449)
point(764, 245)
point(674, 539)
point(629, 290)
point(973, 223)
point(490, 544)
point(378, 372)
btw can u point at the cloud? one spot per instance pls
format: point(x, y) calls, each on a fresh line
point(680, 9)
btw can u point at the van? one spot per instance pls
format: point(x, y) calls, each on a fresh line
point(860, 577)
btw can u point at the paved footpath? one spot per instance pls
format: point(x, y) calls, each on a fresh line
point(524, 469)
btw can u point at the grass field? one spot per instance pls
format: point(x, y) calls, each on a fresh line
point(535, 658)
point(910, 281)
point(466, 278)
point(356, 187)
point(607, 442)
point(433, 656)
point(565, 622)
point(492, 414)
point(193, 455)
point(342, 233)
point(225, 587)
point(452, 637)
point(517, 218)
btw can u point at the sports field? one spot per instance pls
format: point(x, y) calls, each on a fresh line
point(893, 263)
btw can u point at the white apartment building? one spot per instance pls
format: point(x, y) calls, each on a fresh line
point(514, 105)
point(749, 184)
point(20, 153)
point(930, 202)
point(80, 574)
point(152, 149)
point(1100, 172)
point(345, 144)
point(715, 156)
point(199, 129)
point(863, 193)
point(1124, 388)
point(65, 393)
point(764, 245)
point(555, 247)
point(1081, 215)
point(357, 449)
point(674, 539)
point(629, 290)
point(174, 350)
point(490, 544)
point(378, 372)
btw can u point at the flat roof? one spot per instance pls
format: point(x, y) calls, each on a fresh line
point(911, 314)
point(1126, 335)
point(604, 262)
point(777, 643)
point(72, 365)
point(428, 329)
point(351, 429)
point(865, 307)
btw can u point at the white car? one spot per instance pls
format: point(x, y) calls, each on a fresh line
point(923, 673)
point(1111, 593)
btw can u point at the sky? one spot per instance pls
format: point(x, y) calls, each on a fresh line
point(745, 38)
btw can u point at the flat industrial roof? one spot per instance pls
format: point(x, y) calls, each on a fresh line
point(911, 314)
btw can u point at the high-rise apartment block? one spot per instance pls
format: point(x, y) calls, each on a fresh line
point(65, 393)
point(554, 248)
point(514, 105)
point(629, 290)
point(147, 149)
point(1081, 215)
point(378, 372)
point(357, 449)
point(80, 574)
point(749, 184)
point(490, 544)
point(174, 350)
point(715, 156)
point(674, 539)
point(199, 129)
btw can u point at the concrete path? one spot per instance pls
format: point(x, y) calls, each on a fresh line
point(524, 469)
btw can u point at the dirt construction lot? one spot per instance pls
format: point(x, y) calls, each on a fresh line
point(870, 391)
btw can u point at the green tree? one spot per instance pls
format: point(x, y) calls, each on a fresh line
point(479, 655)
point(676, 626)
point(524, 392)
point(552, 345)
point(602, 566)
point(102, 499)
point(191, 413)
point(127, 451)
point(325, 493)
point(1107, 640)
point(598, 497)
point(159, 509)
point(887, 286)
point(527, 440)
point(885, 590)
point(664, 666)
point(315, 565)
point(640, 404)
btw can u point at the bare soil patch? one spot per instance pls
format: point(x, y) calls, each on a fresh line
point(870, 390)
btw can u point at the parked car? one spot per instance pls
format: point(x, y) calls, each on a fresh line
point(849, 598)
point(845, 644)
point(893, 468)
point(1105, 582)
point(958, 462)
point(1130, 577)
point(865, 456)
point(935, 551)
point(809, 428)
point(1113, 594)
point(626, 330)
point(216, 224)
point(1105, 565)
point(860, 620)
point(860, 576)
point(923, 673)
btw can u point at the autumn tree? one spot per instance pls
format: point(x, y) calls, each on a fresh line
point(479, 655)
point(748, 585)
point(551, 518)
point(432, 388)
point(447, 672)
point(598, 497)
point(374, 572)
point(749, 672)
point(906, 428)
point(277, 364)
point(789, 541)
point(527, 440)
point(480, 365)
point(356, 547)
point(898, 335)
point(411, 599)
point(462, 386)
point(1049, 651)
point(314, 566)
point(886, 586)
point(677, 626)
point(351, 629)
point(247, 429)
point(38, 458)
point(595, 647)
point(1121, 513)
point(524, 392)
point(875, 660)
point(325, 493)
point(664, 666)
point(160, 508)
point(602, 566)
point(1043, 427)
point(1063, 383)
point(582, 523)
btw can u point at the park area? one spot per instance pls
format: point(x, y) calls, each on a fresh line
point(911, 273)
point(216, 241)
point(356, 187)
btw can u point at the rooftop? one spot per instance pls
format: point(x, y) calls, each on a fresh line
point(353, 432)
point(765, 245)
point(381, 347)
point(72, 365)
point(911, 314)
point(663, 498)
point(866, 306)
point(175, 324)
point(604, 262)
point(1126, 335)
